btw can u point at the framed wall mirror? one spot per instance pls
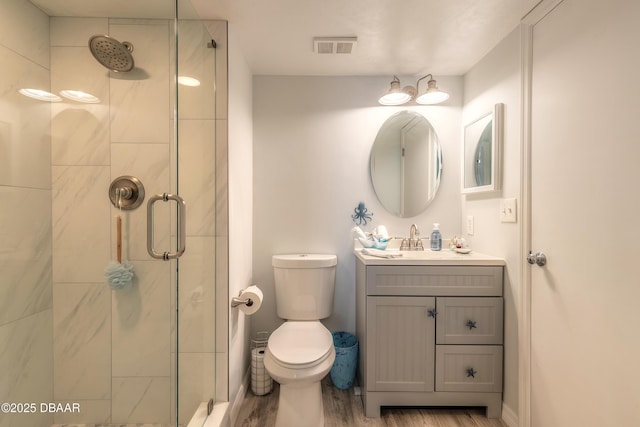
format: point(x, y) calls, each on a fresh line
point(406, 164)
point(481, 166)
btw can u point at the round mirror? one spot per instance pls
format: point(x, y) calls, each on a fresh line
point(406, 164)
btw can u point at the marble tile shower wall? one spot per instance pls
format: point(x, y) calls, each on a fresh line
point(112, 350)
point(26, 370)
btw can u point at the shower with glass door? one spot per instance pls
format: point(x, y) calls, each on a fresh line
point(107, 157)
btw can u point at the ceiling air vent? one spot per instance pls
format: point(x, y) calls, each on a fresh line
point(335, 45)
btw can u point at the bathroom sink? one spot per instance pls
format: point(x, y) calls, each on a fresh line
point(427, 257)
point(428, 254)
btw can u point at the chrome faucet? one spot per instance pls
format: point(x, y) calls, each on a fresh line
point(413, 243)
point(412, 234)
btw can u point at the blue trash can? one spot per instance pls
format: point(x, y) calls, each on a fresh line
point(343, 371)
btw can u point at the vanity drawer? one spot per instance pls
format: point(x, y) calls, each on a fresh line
point(434, 280)
point(473, 368)
point(469, 320)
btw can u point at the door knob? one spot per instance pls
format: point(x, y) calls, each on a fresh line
point(538, 258)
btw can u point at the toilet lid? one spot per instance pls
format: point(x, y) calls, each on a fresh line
point(300, 343)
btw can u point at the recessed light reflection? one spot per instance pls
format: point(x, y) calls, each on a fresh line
point(188, 81)
point(41, 95)
point(80, 96)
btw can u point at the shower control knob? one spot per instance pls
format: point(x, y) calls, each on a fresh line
point(126, 192)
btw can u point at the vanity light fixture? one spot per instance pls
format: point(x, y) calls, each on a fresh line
point(432, 95)
point(395, 95)
point(398, 96)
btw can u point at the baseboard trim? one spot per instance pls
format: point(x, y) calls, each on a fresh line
point(508, 416)
point(239, 398)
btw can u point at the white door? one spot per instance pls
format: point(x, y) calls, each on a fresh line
point(585, 215)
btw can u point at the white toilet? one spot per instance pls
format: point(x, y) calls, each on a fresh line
point(300, 352)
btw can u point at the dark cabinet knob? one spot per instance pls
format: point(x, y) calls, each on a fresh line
point(471, 373)
point(432, 313)
point(471, 324)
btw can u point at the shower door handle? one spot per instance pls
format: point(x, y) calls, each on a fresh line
point(182, 207)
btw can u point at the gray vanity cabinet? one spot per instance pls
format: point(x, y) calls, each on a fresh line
point(430, 335)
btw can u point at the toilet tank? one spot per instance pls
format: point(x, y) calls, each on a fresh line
point(305, 284)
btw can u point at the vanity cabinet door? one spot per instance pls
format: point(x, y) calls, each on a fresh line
point(469, 320)
point(400, 343)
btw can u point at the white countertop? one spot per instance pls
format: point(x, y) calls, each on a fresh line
point(428, 257)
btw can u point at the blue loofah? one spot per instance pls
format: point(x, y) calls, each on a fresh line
point(119, 275)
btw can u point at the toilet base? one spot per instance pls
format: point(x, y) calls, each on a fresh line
point(300, 405)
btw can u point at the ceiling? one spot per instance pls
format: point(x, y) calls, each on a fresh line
point(403, 37)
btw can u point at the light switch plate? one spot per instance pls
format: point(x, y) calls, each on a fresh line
point(508, 210)
point(470, 225)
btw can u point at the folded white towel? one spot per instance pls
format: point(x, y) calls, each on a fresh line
point(380, 254)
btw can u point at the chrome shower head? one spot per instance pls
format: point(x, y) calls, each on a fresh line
point(111, 53)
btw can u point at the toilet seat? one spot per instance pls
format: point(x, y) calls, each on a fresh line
point(300, 344)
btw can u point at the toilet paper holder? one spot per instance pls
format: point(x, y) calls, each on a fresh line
point(236, 301)
point(249, 300)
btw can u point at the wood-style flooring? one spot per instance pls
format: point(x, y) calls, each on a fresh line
point(344, 408)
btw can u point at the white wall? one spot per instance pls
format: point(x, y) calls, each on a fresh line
point(240, 208)
point(312, 138)
point(495, 79)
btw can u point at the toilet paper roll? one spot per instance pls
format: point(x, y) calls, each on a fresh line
point(255, 295)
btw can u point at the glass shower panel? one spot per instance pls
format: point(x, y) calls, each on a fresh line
point(122, 356)
point(112, 347)
point(196, 55)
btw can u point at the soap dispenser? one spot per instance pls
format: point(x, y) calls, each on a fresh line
point(436, 238)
